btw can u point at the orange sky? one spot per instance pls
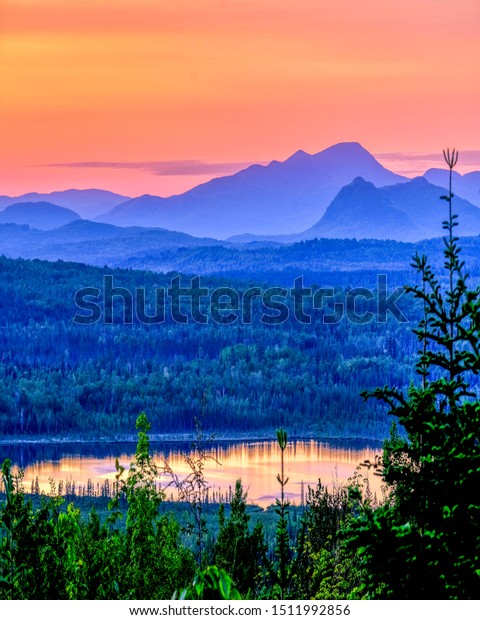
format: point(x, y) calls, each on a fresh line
point(156, 96)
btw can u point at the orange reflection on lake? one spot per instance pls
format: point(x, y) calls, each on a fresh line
point(256, 463)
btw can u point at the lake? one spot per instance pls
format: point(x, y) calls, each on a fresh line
point(255, 462)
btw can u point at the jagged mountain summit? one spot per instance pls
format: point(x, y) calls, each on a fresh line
point(409, 211)
point(403, 212)
point(279, 198)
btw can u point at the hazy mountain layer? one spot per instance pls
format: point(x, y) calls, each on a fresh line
point(87, 202)
point(405, 212)
point(282, 197)
point(466, 186)
point(41, 215)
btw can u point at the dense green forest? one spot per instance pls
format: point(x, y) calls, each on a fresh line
point(61, 378)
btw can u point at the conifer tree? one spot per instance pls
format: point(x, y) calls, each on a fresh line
point(425, 541)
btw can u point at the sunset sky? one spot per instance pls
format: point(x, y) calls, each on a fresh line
point(150, 96)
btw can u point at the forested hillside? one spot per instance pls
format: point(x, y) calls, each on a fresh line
point(320, 261)
point(62, 378)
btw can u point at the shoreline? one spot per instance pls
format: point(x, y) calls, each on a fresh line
point(181, 438)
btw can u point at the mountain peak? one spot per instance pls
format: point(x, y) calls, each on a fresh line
point(359, 181)
point(298, 156)
point(419, 181)
point(279, 198)
point(348, 148)
point(342, 150)
point(362, 210)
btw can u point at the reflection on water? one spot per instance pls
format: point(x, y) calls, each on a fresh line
point(256, 463)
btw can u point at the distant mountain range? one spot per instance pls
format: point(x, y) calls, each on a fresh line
point(279, 198)
point(341, 192)
point(404, 212)
point(93, 243)
point(40, 215)
point(466, 186)
point(88, 203)
point(324, 261)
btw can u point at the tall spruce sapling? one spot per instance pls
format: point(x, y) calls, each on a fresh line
point(282, 550)
point(425, 541)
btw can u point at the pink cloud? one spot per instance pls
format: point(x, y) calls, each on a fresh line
point(183, 167)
